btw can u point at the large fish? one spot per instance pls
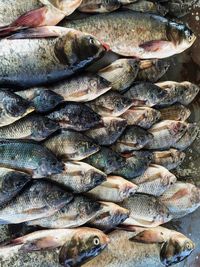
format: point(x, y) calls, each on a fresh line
point(137, 34)
point(175, 112)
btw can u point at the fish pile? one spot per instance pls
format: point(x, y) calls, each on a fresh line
point(87, 157)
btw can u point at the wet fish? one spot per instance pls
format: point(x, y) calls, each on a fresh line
point(108, 133)
point(46, 60)
point(175, 112)
point(39, 200)
point(144, 117)
point(114, 189)
point(29, 157)
point(151, 70)
point(155, 180)
point(71, 145)
point(12, 107)
point(169, 159)
point(11, 183)
point(159, 37)
point(75, 116)
point(149, 93)
point(33, 127)
point(135, 164)
point(110, 104)
point(181, 199)
point(166, 133)
point(121, 73)
point(79, 177)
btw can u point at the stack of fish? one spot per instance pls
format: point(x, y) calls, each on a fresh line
point(85, 155)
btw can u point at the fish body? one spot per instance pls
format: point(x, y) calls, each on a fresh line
point(175, 112)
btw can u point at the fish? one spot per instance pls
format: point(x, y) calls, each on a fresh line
point(135, 164)
point(106, 160)
point(110, 104)
point(178, 8)
point(159, 38)
point(79, 177)
point(145, 211)
point(29, 157)
point(166, 133)
point(181, 199)
point(110, 130)
point(32, 127)
point(121, 73)
point(99, 6)
point(175, 112)
point(148, 93)
point(169, 159)
point(114, 189)
point(36, 64)
point(144, 117)
point(71, 145)
point(133, 138)
point(12, 107)
point(39, 200)
point(78, 212)
point(75, 116)
point(151, 70)
point(155, 180)
point(11, 183)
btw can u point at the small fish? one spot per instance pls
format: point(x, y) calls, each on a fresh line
point(32, 127)
point(12, 107)
point(175, 112)
point(169, 159)
point(32, 158)
point(71, 145)
point(39, 200)
point(75, 116)
point(114, 189)
point(79, 177)
point(106, 160)
point(110, 130)
point(99, 6)
point(166, 133)
point(121, 73)
point(149, 93)
point(11, 183)
point(181, 199)
point(110, 104)
point(155, 180)
point(133, 138)
point(144, 117)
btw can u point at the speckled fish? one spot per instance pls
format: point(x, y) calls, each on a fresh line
point(79, 177)
point(12, 107)
point(109, 131)
point(155, 180)
point(46, 60)
point(71, 145)
point(188, 137)
point(114, 189)
point(39, 200)
point(169, 159)
point(33, 127)
point(181, 199)
point(32, 158)
point(75, 116)
point(175, 112)
point(106, 160)
point(151, 70)
point(149, 93)
point(110, 104)
point(144, 117)
point(135, 164)
point(78, 212)
point(166, 133)
point(121, 73)
point(137, 34)
point(133, 138)
point(146, 211)
point(11, 183)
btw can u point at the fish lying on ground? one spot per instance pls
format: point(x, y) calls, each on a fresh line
point(175, 112)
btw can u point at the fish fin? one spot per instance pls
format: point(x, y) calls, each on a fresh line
point(149, 236)
point(153, 46)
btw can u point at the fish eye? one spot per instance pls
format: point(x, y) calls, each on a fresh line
point(91, 41)
point(188, 246)
point(96, 241)
point(93, 83)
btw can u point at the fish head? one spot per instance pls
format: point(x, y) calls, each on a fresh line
point(42, 127)
point(155, 95)
point(116, 124)
point(98, 86)
point(177, 155)
point(168, 179)
point(122, 103)
point(133, 66)
point(86, 244)
point(87, 147)
point(48, 166)
point(153, 115)
point(177, 128)
point(93, 178)
point(190, 92)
